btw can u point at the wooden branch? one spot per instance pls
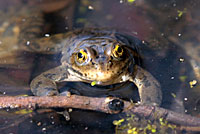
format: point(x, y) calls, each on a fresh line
point(99, 104)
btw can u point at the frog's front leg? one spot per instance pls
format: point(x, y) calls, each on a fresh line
point(148, 87)
point(46, 83)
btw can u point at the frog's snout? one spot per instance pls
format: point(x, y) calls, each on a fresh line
point(101, 61)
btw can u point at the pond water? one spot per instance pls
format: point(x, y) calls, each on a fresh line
point(171, 29)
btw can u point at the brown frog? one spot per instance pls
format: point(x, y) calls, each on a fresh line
point(104, 57)
point(95, 55)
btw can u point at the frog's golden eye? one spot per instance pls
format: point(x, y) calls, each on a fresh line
point(118, 51)
point(81, 56)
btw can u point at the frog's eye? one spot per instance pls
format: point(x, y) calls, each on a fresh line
point(118, 51)
point(81, 56)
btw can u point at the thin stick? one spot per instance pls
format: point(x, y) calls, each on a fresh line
point(98, 104)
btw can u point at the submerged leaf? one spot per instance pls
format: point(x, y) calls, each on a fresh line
point(24, 111)
point(174, 95)
point(131, 1)
point(180, 13)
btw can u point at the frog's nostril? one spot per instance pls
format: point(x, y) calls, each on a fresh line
point(101, 58)
point(110, 63)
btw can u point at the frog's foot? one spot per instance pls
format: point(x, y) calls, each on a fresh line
point(51, 92)
point(68, 91)
point(65, 93)
point(46, 92)
point(44, 87)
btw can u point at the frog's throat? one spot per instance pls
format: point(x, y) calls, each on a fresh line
point(78, 76)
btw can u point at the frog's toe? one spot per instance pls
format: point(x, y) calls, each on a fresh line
point(68, 91)
point(65, 93)
point(47, 92)
point(52, 93)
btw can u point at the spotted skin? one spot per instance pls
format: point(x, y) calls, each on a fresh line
point(101, 63)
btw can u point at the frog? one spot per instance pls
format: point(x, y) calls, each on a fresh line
point(89, 55)
point(100, 56)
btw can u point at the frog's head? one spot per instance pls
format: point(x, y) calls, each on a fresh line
point(104, 60)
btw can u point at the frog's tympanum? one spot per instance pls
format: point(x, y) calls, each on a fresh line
point(95, 56)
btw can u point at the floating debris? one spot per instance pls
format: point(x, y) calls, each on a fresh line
point(25, 95)
point(174, 95)
point(174, 5)
point(44, 129)
point(28, 43)
point(16, 30)
point(47, 35)
point(23, 19)
point(81, 20)
point(118, 122)
point(90, 8)
point(24, 111)
point(193, 83)
point(181, 59)
point(183, 78)
point(131, 1)
point(39, 124)
point(180, 13)
point(132, 131)
point(134, 125)
point(93, 83)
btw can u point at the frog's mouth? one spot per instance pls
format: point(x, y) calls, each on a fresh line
point(105, 79)
point(108, 87)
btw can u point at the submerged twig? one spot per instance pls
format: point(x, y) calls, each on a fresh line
point(98, 104)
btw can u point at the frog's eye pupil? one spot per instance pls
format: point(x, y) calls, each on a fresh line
point(119, 50)
point(80, 55)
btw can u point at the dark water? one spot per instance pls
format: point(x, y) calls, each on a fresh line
point(171, 28)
